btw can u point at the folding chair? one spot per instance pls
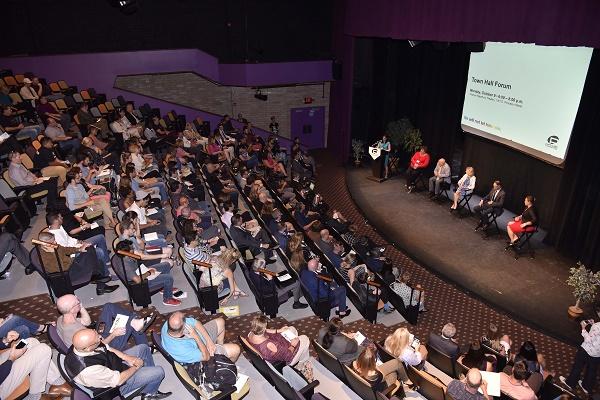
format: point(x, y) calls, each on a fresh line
point(95, 112)
point(63, 85)
point(115, 102)
point(10, 81)
point(493, 219)
point(19, 78)
point(524, 240)
point(464, 204)
point(444, 188)
point(70, 101)
point(78, 99)
point(16, 98)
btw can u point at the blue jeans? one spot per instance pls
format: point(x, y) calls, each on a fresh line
point(148, 377)
point(24, 327)
point(162, 188)
point(31, 132)
point(101, 250)
point(164, 280)
point(67, 145)
point(109, 312)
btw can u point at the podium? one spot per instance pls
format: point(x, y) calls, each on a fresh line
point(377, 166)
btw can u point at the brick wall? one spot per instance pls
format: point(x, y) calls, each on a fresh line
point(194, 91)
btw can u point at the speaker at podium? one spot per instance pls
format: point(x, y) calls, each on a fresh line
point(377, 165)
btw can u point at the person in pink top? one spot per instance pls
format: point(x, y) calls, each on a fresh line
point(515, 385)
point(418, 163)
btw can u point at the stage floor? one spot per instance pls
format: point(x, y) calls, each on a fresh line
point(532, 291)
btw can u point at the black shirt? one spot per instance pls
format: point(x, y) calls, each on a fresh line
point(44, 157)
point(8, 122)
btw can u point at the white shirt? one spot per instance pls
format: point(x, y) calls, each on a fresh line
point(591, 340)
point(226, 218)
point(141, 212)
point(97, 376)
point(63, 238)
point(471, 182)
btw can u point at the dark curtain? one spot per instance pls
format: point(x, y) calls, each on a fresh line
point(519, 173)
point(425, 83)
point(575, 228)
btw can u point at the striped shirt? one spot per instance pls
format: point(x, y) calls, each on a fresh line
point(196, 253)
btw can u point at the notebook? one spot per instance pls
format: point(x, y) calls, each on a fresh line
point(119, 322)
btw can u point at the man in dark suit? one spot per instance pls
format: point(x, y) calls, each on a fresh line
point(318, 289)
point(255, 244)
point(493, 202)
point(445, 342)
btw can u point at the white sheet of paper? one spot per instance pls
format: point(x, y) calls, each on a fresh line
point(94, 225)
point(359, 337)
point(493, 383)
point(4, 136)
point(284, 277)
point(80, 214)
point(119, 322)
point(141, 270)
point(104, 172)
point(153, 276)
point(241, 381)
point(150, 236)
point(151, 211)
point(289, 335)
point(46, 178)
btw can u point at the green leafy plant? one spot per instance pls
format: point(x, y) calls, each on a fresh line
point(358, 149)
point(584, 283)
point(403, 134)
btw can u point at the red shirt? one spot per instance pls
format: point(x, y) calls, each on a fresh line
point(419, 161)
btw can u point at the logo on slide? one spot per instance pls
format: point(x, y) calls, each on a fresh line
point(551, 142)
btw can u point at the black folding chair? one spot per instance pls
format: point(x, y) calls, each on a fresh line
point(493, 223)
point(464, 204)
point(524, 240)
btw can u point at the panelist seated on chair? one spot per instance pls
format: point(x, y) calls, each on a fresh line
point(318, 289)
point(441, 173)
point(79, 266)
point(266, 285)
point(526, 222)
point(464, 187)
point(92, 364)
point(418, 163)
point(74, 317)
point(493, 202)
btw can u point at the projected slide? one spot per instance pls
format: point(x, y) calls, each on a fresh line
point(526, 96)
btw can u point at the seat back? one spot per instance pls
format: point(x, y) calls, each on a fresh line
point(6, 191)
point(256, 359)
point(383, 354)
point(288, 382)
point(10, 81)
point(102, 108)
point(63, 85)
point(329, 361)
point(56, 340)
point(441, 361)
point(85, 95)
point(95, 112)
point(15, 97)
point(157, 340)
point(428, 385)
point(54, 87)
point(78, 99)
point(360, 386)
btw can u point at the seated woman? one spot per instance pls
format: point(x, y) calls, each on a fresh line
point(476, 358)
point(404, 346)
point(527, 221)
point(465, 185)
point(78, 197)
point(145, 164)
point(379, 377)
point(273, 165)
point(348, 268)
point(497, 341)
point(159, 275)
point(220, 273)
point(409, 295)
point(214, 149)
point(535, 363)
point(341, 344)
point(369, 294)
point(273, 346)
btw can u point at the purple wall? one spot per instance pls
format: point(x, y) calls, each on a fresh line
point(275, 73)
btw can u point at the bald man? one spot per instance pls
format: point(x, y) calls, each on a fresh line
point(467, 389)
point(319, 289)
point(441, 173)
point(74, 317)
point(190, 342)
point(96, 366)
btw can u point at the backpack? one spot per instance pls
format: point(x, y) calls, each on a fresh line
point(220, 372)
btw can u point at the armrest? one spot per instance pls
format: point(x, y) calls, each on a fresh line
point(128, 254)
point(20, 188)
point(267, 272)
point(42, 243)
point(310, 386)
point(201, 264)
point(388, 390)
point(226, 394)
point(325, 278)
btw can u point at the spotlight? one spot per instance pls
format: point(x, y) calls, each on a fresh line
point(259, 96)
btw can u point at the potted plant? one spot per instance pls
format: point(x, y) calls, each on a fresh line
point(585, 284)
point(358, 149)
point(405, 136)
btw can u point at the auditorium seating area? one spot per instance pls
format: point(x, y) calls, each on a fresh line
point(278, 206)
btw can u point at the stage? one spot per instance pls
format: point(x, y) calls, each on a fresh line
point(532, 291)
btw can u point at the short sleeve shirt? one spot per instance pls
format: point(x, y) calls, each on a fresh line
point(183, 350)
point(44, 157)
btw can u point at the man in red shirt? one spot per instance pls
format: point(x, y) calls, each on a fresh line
point(418, 163)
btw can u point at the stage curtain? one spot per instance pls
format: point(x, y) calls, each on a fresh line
point(575, 227)
point(425, 83)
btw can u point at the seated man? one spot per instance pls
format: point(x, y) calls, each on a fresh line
point(10, 244)
point(445, 343)
point(255, 243)
point(152, 252)
point(266, 285)
point(47, 161)
point(515, 385)
point(8, 120)
point(55, 221)
point(86, 119)
point(33, 361)
point(78, 227)
point(493, 202)
point(418, 163)
point(441, 173)
point(147, 223)
point(98, 367)
point(325, 243)
point(56, 133)
point(78, 266)
point(160, 274)
point(190, 342)
point(318, 289)
point(468, 388)
point(21, 176)
point(74, 317)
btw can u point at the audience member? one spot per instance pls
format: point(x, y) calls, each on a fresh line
point(47, 161)
point(256, 243)
point(339, 343)
point(445, 342)
point(468, 388)
point(379, 377)
point(10, 244)
point(410, 295)
point(476, 358)
point(318, 289)
point(515, 385)
point(266, 285)
point(403, 345)
point(22, 326)
point(21, 176)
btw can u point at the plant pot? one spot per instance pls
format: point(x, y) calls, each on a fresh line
point(357, 163)
point(574, 311)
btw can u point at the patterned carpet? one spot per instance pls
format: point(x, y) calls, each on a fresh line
point(445, 302)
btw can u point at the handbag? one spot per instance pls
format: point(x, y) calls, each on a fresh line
point(91, 213)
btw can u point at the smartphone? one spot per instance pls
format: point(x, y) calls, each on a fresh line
point(100, 328)
point(21, 344)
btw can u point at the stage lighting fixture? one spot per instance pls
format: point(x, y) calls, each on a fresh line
point(127, 7)
point(259, 96)
point(413, 43)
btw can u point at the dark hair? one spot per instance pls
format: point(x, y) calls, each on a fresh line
point(82, 156)
point(361, 277)
point(334, 327)
point(129, 168)
point(51, 217)
point(227, 206)
point(71, 174)
point(124, 245)
point(189, 237)
point(497, 182)
point(519, 371)
point(527, 351)
point(236, 219)
point(424, 148)
point(475, 356)
point(530, 198)
point(126, 224)
point(45, 140)
point(129, 216)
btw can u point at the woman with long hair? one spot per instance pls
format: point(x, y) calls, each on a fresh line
point(402, 345)
point(339, 343)
point(476, 358)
